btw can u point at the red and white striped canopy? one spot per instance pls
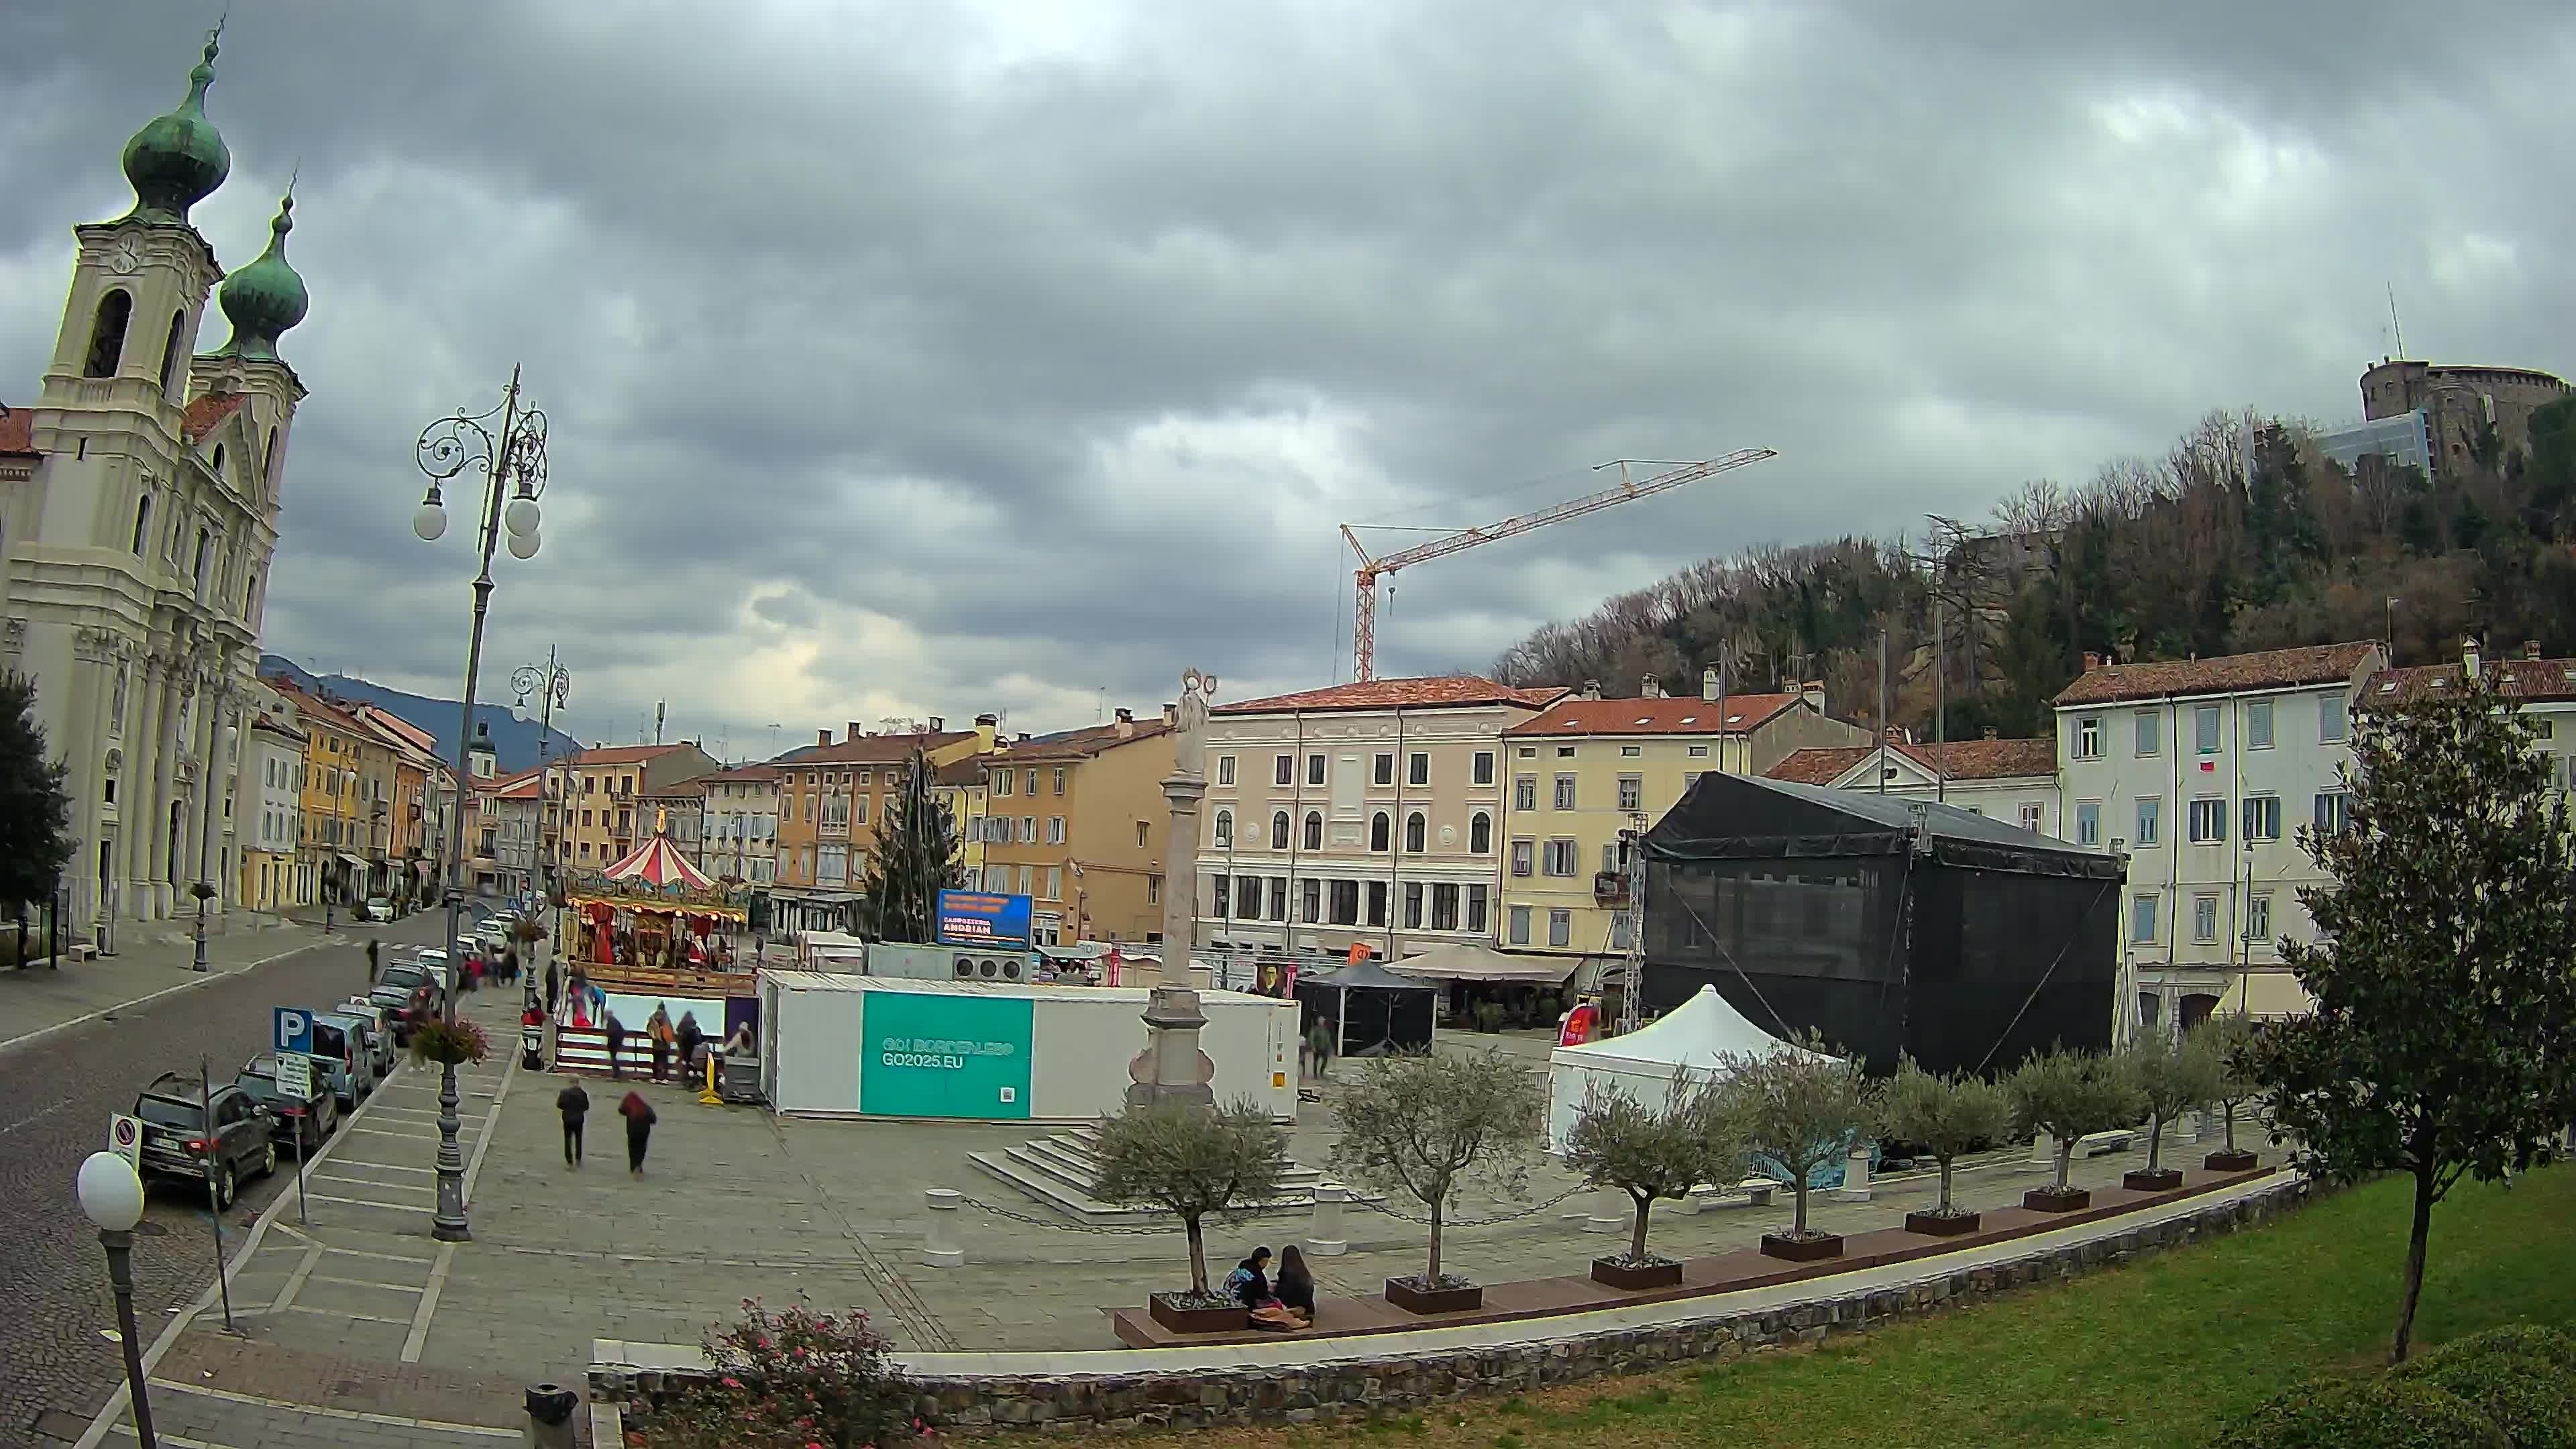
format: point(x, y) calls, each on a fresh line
point(656, 864)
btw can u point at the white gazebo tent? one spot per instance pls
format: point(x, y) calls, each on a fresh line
point(1644, 1064)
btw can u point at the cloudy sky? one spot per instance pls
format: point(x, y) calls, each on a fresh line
point(929, 358)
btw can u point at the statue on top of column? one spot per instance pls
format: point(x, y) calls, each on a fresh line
point(1189, 739)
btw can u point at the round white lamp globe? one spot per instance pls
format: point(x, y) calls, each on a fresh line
point(428, 521)
point(523, 545)
point(521, 515)
point(111, 1196)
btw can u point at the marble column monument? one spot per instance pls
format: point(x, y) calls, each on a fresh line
point(1172, 1068)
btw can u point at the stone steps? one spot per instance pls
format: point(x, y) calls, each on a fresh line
point(1059, 1171)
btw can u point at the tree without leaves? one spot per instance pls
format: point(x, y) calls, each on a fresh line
point(2070, 1095)
point(1948, 1116)
point(2443, 1043)
point(1426, 1126)
point(2172, 1077)
point(915, 857)
point(1192, 1163)
point(35, 815)
point(1799, 1105)
point(2229, 1040)
point(1655, 1152)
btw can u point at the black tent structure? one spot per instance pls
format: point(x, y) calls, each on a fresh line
point(1368, 1010)
point(1889, 925)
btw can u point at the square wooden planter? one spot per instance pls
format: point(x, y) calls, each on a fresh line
point(1939, 1225)
point(2237, 1161)
point(1412, 1299)
point(1612, 1272)
point(1233, 1318)
point(2163, 1179)
point(1802, 1250)
point(2046, 1200)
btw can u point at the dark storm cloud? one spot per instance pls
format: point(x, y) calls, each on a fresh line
point(909, 358)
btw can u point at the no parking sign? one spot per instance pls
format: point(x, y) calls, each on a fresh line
point(125, 1139)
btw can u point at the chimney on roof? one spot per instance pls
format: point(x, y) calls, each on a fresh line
point(822, 737)
point(855, 731)
point(1172, 716)
point(1592, 689)
point(2092, 661)
point(1708, 685)
point(1813, 692)
point(1990, 732)
point(988, 719)
point(2530, 648)
point(1023, 739)
point(1126, 725)
point(1896, 734)
point(2469, 655)
point(938, 724)
point(1651, 688)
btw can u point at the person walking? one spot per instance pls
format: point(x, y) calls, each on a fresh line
point(554, 985)
point(574, 1104)
point(616, 1044)
point(657, 1027)
point(639, 1131)
point(375, 960)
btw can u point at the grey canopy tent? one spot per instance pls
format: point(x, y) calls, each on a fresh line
point(1368, 1010)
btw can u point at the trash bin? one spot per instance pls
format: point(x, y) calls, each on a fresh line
point(532, 1047)
point(550, 1409)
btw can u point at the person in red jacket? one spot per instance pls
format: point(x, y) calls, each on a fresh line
point(639, 1131)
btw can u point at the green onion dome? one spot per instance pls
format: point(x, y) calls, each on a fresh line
point(179, 159)
point(267, 297)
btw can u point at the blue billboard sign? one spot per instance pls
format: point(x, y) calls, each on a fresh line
point(973, 918)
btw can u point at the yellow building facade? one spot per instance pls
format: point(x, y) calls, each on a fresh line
point(1077, 822)
point(1583, 771)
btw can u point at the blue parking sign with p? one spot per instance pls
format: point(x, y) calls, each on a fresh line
point(294, 1030)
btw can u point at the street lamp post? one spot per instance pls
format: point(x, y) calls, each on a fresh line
point(111, 1197)
point(513, 464)
point(556, 682)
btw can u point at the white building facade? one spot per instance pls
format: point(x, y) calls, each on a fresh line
point(2203, 771)
point(738, 834)
point(1363, 815)
point(272, 818)
point(139, 517)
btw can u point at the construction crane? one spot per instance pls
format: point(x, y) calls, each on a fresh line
point(1364, 614)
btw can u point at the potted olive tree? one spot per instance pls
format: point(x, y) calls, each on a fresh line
point(2172, 1078)
point(1194, 1164)
point(1426, 1126)
point(1800, 1106)
point(1651, 1153)
point(2228, 1039)
point(2068, 1094)
point(1948, 1117)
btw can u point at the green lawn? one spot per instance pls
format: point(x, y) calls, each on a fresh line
point(2149, 1354)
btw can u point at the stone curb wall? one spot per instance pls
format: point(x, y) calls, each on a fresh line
point(1363, 1382)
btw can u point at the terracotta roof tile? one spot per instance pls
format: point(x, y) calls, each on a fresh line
point(1429, 692)
point(746, 775)
point(2228, 674)
point(968, 771)
point(2526, 679)
point(1667, 716)
point(1081, 744)
point(206, 412)
point(875, 749)
point(17, 432)
point(619, 755)
point(1967, 760)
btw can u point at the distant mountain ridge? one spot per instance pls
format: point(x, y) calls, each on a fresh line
point(515, 742)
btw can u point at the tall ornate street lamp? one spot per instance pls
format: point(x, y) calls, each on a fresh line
point(513, 464)
point(111, 1197)
point(555, 682)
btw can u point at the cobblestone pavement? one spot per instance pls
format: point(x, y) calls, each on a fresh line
point(56, 1094)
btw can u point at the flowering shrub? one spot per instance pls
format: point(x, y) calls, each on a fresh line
point(793, 1379)
point(449, 1043)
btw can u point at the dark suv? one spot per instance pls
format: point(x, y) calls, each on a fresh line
point(188, 1133)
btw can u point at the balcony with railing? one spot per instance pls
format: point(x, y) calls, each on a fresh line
point(1609, 888)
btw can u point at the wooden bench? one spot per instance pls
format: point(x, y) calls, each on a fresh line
point(1756, 1192)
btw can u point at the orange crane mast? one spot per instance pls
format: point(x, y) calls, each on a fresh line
point(1630, 488)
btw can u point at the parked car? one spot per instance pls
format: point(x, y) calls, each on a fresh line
point(200, 1135)
point(380, 1031)
point(340, 1049)
point(377, 908)
point(312, 1117)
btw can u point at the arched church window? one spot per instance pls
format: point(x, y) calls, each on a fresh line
point(205, 551)
point(142, 523)
point(268, 459)
point(219, 460)
point(170, 351)
point(107, 334)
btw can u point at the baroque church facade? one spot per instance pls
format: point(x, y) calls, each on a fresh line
point(139, 497)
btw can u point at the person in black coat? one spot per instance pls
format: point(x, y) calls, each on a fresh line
point(554, 985)
point(574, 1104)
point(639, 1131)
point(1296, 1286)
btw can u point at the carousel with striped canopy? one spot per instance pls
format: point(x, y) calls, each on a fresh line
point(652, 908)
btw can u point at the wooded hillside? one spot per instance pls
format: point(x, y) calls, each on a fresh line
point(2195, 552)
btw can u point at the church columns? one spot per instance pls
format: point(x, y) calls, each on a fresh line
point(95, 728)
point(139, 799)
